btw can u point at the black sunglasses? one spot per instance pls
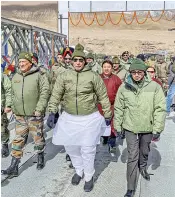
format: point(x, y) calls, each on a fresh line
point(67, 58)
point(80, 60)
point(135, 72)
point(151, 71)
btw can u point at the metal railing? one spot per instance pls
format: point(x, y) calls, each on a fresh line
point(17, 37)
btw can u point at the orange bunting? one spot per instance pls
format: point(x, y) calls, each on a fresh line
point(122, 16)
point(158, 18)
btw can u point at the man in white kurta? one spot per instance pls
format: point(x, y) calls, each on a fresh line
point(80, 126)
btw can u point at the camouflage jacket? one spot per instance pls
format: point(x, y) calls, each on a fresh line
point(161, 70)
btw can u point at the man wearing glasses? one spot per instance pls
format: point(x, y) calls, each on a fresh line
point(139, 111)
point(80, 125)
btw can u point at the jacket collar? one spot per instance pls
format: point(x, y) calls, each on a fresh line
point(106, 76)
point(31, 71)
point(86, 68)
point(129, 82)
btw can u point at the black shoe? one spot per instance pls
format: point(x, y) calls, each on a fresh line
point(112, 149)
point(5, 150)
point(76, 179)
point(12, 170)
point(71, 166)
point(40, 163)
point(129, 193)
point(145, 174)
point(105, 140)
point(68, 157)
point(88, 186)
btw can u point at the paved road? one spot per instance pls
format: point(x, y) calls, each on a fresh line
point(55, 179)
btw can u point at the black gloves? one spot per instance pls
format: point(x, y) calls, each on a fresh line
point(121, 134)
point(108, 121)
point(50, 120)
point(156, 137)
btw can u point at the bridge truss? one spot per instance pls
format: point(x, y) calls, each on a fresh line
point(17, 37)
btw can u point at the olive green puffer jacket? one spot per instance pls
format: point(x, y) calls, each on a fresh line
point(95, 67)
point(5, 91)
point(56, 70)
point(30, 92)
point(140, 110)
point(81, 91)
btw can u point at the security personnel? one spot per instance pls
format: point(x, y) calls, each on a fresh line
point(5, 108)
point(30, 94)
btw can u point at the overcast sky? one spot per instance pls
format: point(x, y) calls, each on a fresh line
point(84, 6)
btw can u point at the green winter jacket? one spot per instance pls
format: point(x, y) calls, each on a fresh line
point(45, 71)
point(30, 92)
point(121, 72)
point(5, 91)
point(124, 64)
point(161, 70)
point(81, 91)
point(95, 67)
point(56, 70)
point(140, 110)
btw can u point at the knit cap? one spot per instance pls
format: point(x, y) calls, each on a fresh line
point(138, 64)
point(26, 55)
point(79, 51)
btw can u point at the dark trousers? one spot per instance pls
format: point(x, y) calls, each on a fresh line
point(138, 147)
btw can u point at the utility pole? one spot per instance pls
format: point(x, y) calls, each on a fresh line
point(164, 6)
point(90, 6)
point(61, 23)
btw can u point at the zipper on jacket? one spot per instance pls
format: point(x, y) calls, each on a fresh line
point(77, 95)
point(23, 96)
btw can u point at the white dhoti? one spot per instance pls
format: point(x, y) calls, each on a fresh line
point(79, 130)
point(80, 135)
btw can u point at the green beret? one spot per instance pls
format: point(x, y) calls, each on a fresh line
point(138, 64)
point(26, 55)
point(79, 51)
point(90, 56)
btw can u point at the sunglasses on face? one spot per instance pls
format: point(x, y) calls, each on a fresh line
point(80, 60)
point(125, 55)
point(67, 58)
point(139, 72)
point(151, 71)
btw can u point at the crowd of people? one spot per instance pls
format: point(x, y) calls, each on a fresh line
point(88, 98)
